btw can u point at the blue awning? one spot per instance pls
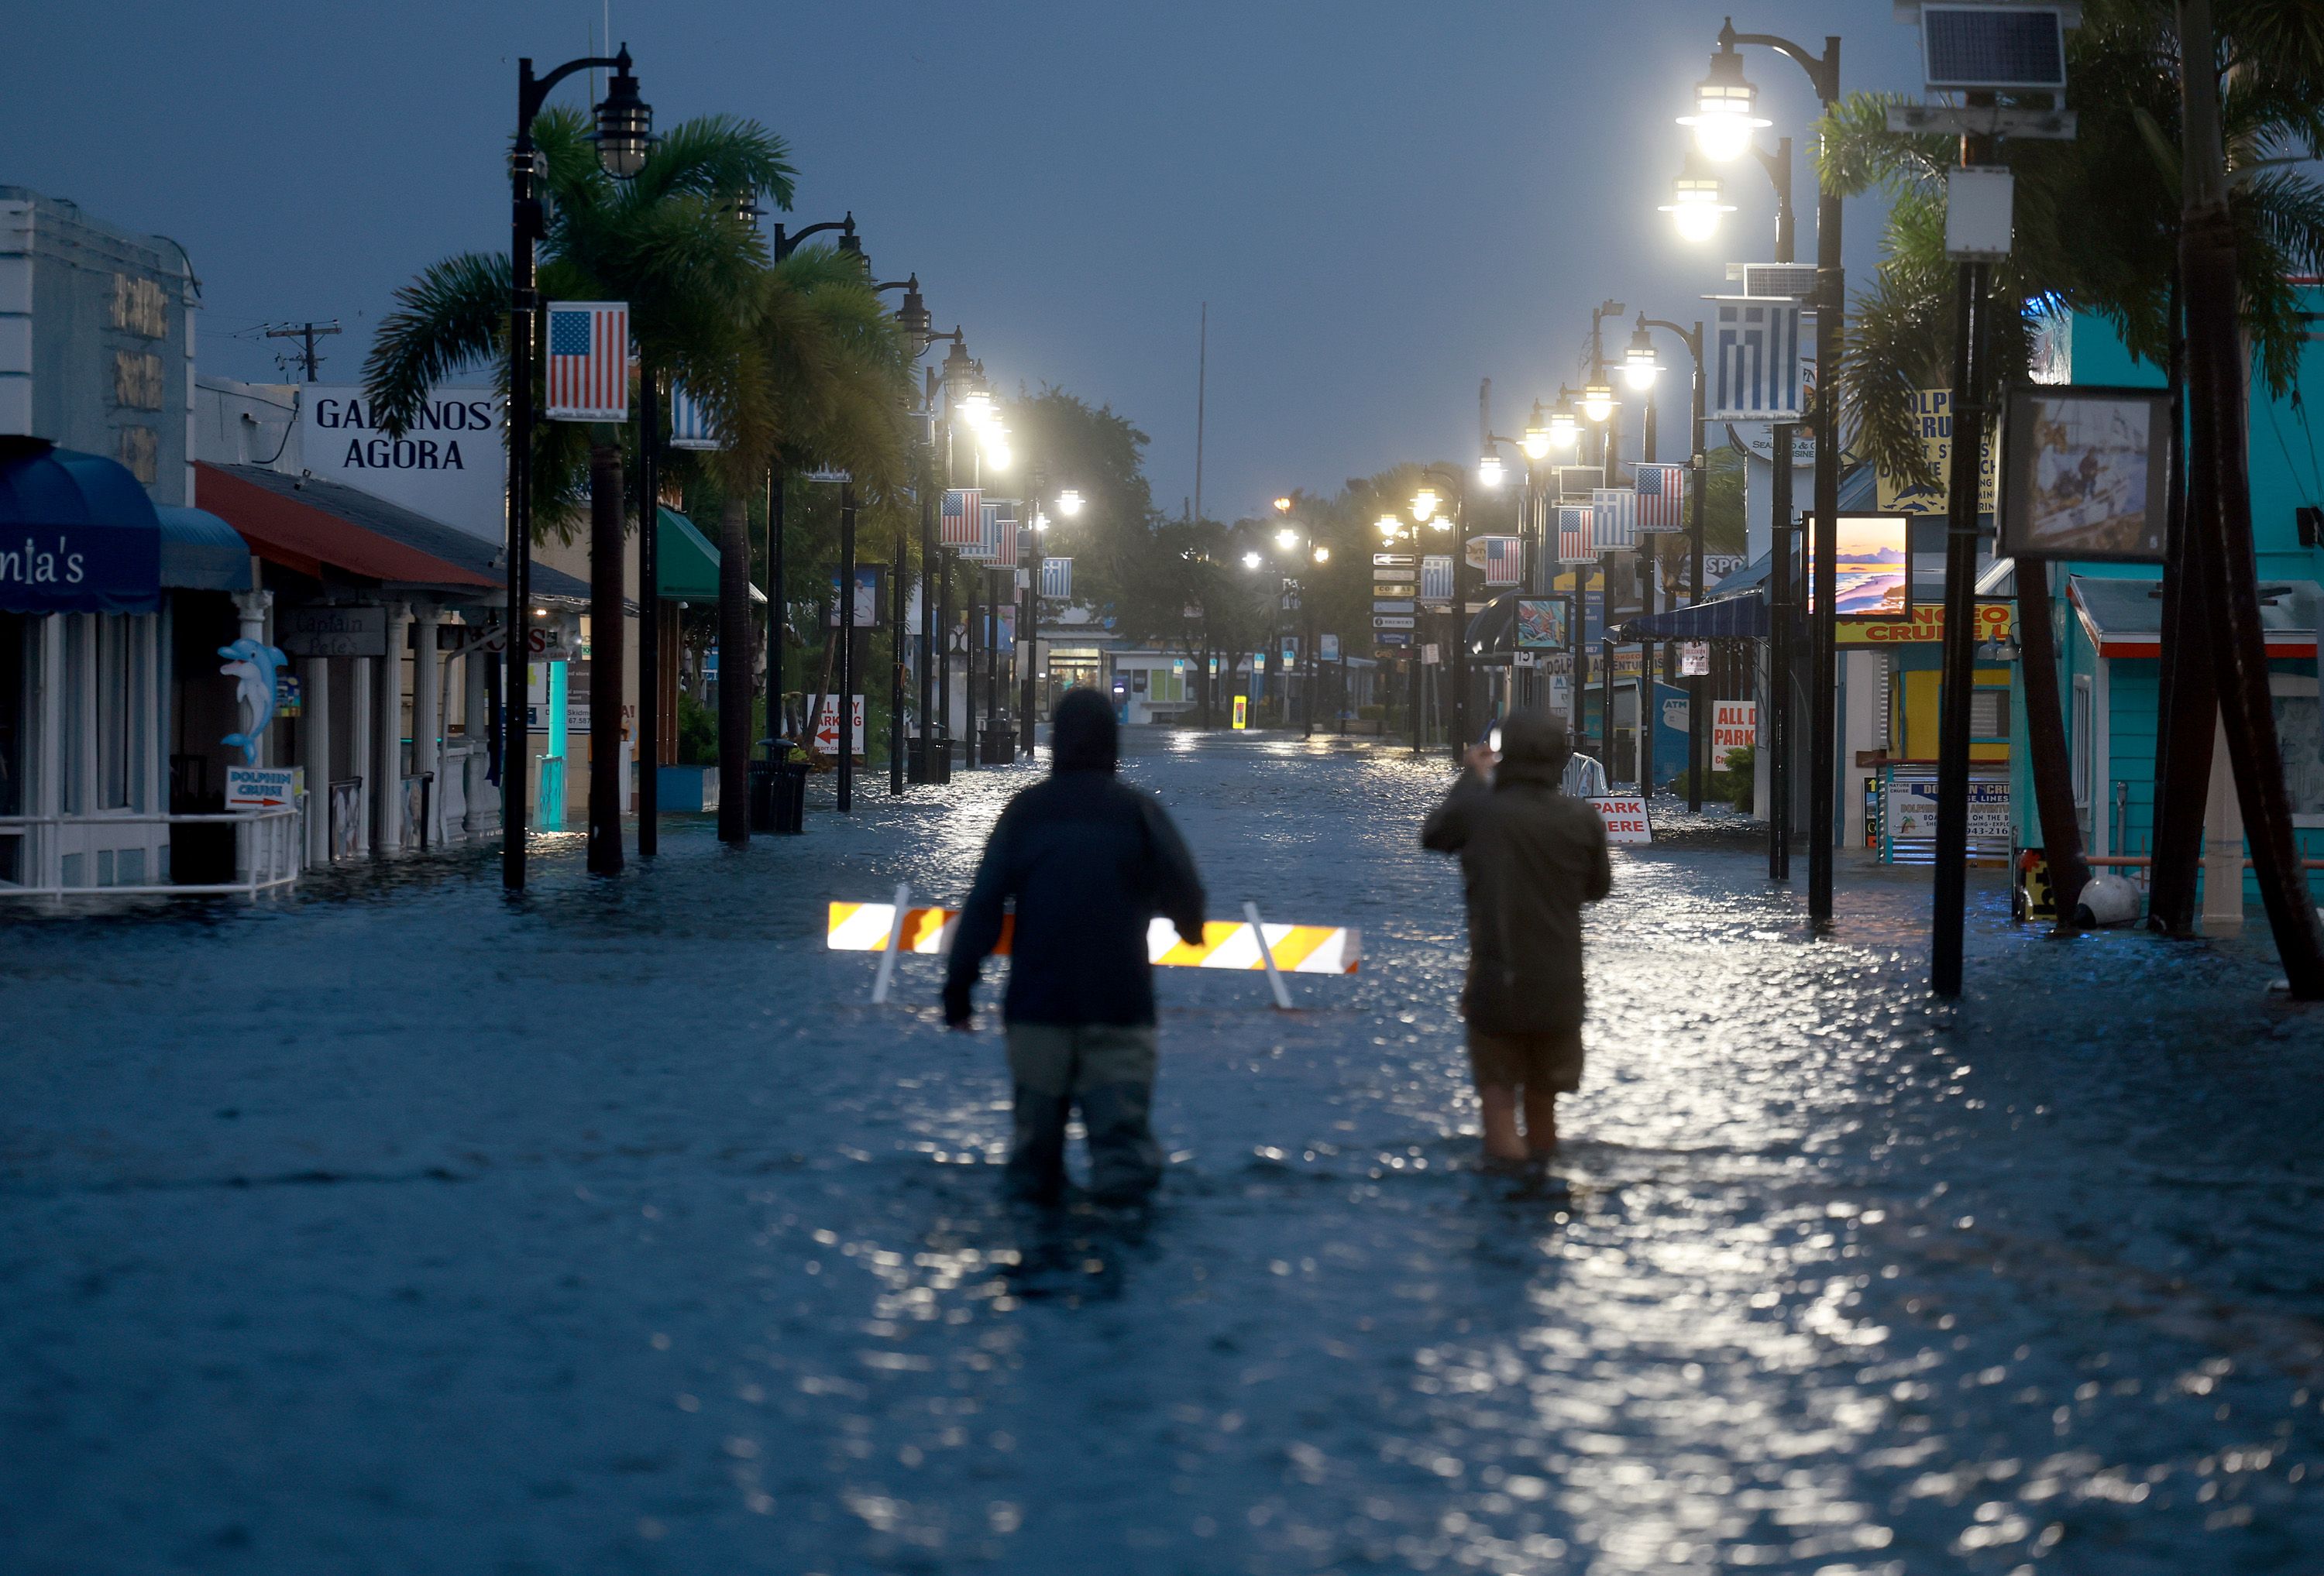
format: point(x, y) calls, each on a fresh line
point(1730, 618)
point(77, 534)
point(201, 552)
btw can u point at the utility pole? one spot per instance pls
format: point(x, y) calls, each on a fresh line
point(308, 332)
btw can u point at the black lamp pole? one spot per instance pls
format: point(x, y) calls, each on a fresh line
point(1698, 732)
point(1831, 303)
point(624, 133)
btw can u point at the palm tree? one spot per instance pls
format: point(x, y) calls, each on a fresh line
point(824, 378)
point(669, 244)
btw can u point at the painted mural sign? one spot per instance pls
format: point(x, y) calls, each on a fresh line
point(1933, 414)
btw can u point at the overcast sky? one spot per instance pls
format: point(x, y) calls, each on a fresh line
point(1382, 200)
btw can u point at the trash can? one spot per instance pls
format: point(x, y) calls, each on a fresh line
point(790, 796)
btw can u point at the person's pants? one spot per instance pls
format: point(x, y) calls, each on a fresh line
point(1108, 1070)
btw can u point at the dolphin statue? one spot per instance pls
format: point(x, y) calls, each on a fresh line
point(252, 667)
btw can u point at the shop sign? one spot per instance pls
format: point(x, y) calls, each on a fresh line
point(1926, 622)
point(332, 632)
point(1913, 811)
point(1734, 726)
point(542, 642)
point(1694, 659)
point(261, 788)
point(82, 568)
point(1625, 816)
point(449, 464)
point(289, 699)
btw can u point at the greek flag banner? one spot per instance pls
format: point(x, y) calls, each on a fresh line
point(689, 424)
point(1757, 376)
point(1436, 577)
point(1613, 520)
point(1057, 578)
point(1573, 534)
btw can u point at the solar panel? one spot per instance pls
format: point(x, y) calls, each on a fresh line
point(1994, 46)
point(1796, 280)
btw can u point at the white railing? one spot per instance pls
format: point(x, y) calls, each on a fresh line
point(270, 846)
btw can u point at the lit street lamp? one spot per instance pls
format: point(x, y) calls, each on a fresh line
point(623, 135)
point(1725, 116)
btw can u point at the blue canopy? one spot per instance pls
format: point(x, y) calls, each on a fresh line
point(1730, 618)
point(77, 534)
point(201, 552)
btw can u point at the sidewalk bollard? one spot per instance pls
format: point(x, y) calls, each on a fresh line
point(1267, 956)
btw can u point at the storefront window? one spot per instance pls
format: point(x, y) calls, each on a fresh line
point(2300, 733)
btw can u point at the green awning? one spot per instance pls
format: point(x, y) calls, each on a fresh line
point(686, 565)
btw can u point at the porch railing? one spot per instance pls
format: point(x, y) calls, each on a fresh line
point(268, 852)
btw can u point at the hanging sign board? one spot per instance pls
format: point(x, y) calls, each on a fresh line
point(1694, 659)
point(2088, 474)
point(451, 464)
point(1756, 354)
point(1734, 726)
point(1933, 416)
point(1436, 578)
point(1625, 816)
point(826, 725)
point(331, 632)
point(588, 372)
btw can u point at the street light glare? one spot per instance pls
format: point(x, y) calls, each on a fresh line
point(1424, 504)
point(1069, 502)
point(1251, 560)
point(1597, 401)
point(1724, 102)
point(1286, 539)
point(1282, 506)
point(1489, 470)
point(1391, 526)
point(1323, 555)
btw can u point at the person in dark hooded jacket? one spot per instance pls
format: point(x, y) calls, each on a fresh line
point(1087, 860)
point(1530, 856)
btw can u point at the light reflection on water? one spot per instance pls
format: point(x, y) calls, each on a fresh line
point(586, 1230)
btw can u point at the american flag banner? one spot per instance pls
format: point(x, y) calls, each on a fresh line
point(589, 361)
point(1573, 523)
point(689, 423)
point(960, 523)
point(1756, 377)
point(1613, 520)
point(1004, 532)
point(1057, 579)
point(1504, 559)
point(1661, 497)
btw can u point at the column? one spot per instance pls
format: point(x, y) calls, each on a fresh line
point(387, 716)
point(362, 741)
point(251, 607)
point(315, 753)
point(480, 818)
point(427, 713)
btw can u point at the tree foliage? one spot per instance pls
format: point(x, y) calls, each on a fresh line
point(2097, 216)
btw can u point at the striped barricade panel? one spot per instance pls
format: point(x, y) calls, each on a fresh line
point(1227, 944)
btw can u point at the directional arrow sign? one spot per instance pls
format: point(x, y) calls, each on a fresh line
point(258, 787)
point(1395, 560)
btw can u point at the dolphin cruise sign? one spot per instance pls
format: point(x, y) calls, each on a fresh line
point(77, 534)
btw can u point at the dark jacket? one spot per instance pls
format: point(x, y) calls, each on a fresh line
point(1088, 861)
point(1530, 856)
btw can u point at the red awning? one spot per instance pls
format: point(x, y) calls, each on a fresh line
point(302, 533)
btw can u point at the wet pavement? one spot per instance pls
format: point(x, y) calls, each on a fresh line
point(395, 1228)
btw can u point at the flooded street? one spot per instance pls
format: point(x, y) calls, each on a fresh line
point(395, 1228)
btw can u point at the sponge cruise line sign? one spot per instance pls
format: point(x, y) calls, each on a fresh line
point(449, 464)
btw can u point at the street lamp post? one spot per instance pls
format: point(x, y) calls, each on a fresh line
point(624, 133)
point(1457, 522)
point(1302, 536)
point(1698, 731)
point(1723, 123)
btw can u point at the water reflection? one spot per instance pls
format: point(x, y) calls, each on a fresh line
point(1828, 1278)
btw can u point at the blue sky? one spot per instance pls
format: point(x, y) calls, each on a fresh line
point(1381, 202)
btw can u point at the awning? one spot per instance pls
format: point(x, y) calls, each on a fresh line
point(2123, 616)
point(201, 552)
point(77, 534)
point(1729, 618)
point(686, 565)
point(341, 535)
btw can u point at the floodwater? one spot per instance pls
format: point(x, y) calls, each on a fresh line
point(397, 1228)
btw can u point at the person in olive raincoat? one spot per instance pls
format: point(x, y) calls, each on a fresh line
point(1530, 855)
